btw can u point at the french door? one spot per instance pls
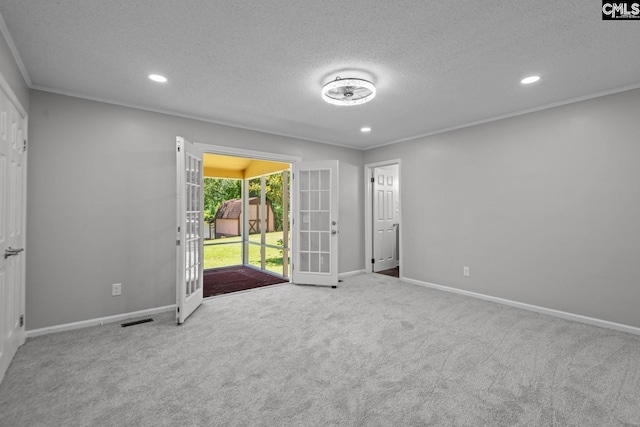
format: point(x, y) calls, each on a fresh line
point(13, 191)
point(189, 229)
point(315, 223)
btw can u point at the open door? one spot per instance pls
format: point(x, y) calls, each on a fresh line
point(189, 230)
point(315, 223)
point(385, 223)
point(13, 197)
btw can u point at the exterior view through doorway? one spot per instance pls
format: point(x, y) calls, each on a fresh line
point(246, 212)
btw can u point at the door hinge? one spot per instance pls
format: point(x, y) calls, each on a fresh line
point(177, 242)
point(373, 261)
point(373, 179)
point(178, 148)
point(24, 146)
point(21, 320)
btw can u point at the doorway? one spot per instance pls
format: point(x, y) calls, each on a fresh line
point(383, 237)
point(247, 221)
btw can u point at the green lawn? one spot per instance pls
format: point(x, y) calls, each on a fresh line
point(222, 255)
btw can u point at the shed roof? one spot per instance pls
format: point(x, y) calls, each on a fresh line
point(231, 209)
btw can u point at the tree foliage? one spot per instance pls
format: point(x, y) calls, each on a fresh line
point(217, 191)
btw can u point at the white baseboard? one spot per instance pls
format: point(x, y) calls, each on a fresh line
point(349, 274)
point(548, 311)
point(98, 321)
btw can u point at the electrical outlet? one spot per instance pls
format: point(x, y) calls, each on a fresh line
point(465, 271)
point(116, 289)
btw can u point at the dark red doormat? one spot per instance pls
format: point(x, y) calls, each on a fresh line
point(393, 272)
point(225, 280)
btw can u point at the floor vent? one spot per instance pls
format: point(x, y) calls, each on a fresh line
point(137, 322)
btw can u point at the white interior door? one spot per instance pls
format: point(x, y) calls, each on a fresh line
point(315, 223)
point(385, 214)
point(13, 191)
point(189, 230)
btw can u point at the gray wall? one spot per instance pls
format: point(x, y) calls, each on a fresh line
point(101, 204)
point(10, 71)
point(544, 208)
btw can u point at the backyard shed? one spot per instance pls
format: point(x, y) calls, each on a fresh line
point(229, 216)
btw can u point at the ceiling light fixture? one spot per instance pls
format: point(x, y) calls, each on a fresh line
point(158, 78)
point(365, 129)
point(348, 91)
point(529, 80)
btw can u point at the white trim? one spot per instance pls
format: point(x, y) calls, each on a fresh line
point(14, 50)
point(509, 115)
point(368, 211)
point(182, 115)
point(548, 311)
point(349, 274)
point(98, 321)
point(241, 152)
point(352, 147)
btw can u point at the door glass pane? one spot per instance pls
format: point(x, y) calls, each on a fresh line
point(325, 203)
point(324, 241)
point(315, 221)
point(304, 180)
point(315, 241)
point(315, 200)
point(325, 263)
point(315, 180)
point(325, 179)
point(304, 262)
point(314, 260)
point(304, 241)
point(325, 223)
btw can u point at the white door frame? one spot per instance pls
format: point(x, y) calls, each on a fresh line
point(259, 155)
point(368, 212)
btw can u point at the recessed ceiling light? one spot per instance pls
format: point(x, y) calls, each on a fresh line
point(529, 80)
point(365, 129)
point(158, 78)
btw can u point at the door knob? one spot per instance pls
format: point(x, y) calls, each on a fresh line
point(334, 232)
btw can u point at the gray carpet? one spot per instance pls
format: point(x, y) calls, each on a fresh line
point(374, 352)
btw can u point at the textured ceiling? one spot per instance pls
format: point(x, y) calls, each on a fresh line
point(261, 65)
